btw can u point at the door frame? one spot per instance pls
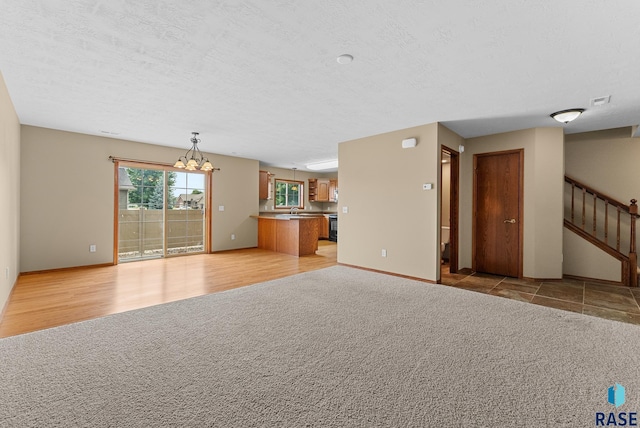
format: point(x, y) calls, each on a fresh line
point(454, 207)
point(520, 206)
point(118, 162)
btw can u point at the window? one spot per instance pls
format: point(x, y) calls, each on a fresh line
point(289, 194)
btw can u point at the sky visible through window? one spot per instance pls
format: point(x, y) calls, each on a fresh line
point(187, 182)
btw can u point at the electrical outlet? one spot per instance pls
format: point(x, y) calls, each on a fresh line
point(345, 210)
point(92, 248)
point(384, 253)
point(233, 236)
point(220, 207)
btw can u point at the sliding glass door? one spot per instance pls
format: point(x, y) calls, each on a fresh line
point(186, 221)
point(161, 212)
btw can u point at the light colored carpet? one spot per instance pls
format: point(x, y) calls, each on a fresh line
point(331, 348)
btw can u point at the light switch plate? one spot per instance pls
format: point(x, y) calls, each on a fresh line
point(345, 210)
point(220, 207)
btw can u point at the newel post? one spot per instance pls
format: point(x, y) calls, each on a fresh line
point(633, 257)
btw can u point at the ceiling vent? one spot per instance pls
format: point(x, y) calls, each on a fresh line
point(600, 101)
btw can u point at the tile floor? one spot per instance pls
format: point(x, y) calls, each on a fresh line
point(600, 300)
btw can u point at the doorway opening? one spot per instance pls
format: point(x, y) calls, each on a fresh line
point(449, 203)
point(160, 212)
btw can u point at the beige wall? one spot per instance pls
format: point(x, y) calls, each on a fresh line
point(287, 174)
point(235, 187)
point(543, 196)
point(583, 259)
point(381, 185)
point(607, 161)
point(9, 194)
point(64, 171)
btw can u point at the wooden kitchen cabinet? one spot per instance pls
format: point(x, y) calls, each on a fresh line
point(333, 189)
point(322, 189)
point(313, 189)
point(323, 227)
point(294, 236)
point(265, 190)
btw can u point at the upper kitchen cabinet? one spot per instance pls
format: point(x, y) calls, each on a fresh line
point(323, 190)
point(333, 190)
point(265, 190)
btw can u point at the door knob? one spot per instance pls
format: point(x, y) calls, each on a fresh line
point(510, 220)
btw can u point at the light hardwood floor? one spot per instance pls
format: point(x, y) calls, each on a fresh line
point(50, 299)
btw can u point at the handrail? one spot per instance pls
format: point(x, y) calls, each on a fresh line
point(629, 262)
point(597, 193)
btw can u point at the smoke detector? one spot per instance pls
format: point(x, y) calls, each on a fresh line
point(600, 101)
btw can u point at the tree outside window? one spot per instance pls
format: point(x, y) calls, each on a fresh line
point(149, 188)
point(289, 194)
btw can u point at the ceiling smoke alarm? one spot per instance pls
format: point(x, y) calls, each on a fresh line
point(599, 101)
point(345, 59)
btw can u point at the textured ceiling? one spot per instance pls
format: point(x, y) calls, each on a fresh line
point(260, 79)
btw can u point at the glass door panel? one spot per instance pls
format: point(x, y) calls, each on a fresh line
point(185, 228)
point(140, 213)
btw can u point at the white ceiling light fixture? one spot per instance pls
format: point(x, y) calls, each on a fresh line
point(566, 116)
point(194, 159)
point(318, 166)
point(345, 59)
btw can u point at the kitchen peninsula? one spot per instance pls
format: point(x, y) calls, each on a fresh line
point(296, 235)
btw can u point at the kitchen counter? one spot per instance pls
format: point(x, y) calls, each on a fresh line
point(296, 235)
point(301, 212)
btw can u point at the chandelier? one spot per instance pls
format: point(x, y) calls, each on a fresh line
point(193, 159)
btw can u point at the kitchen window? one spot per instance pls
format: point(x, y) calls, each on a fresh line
point(289, 194)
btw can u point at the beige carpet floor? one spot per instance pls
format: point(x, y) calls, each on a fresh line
point(339, 347)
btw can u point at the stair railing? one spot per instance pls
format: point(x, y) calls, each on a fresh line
point(585, 221)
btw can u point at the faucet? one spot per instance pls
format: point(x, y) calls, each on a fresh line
point(293, 210)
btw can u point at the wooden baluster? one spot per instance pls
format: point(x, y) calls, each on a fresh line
point(573, 191)
point(633, 257)
point(595, 203)
point(584, 207)
point(618, 232)
point(606, 222)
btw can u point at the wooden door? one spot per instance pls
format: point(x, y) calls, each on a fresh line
point(498, 184)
